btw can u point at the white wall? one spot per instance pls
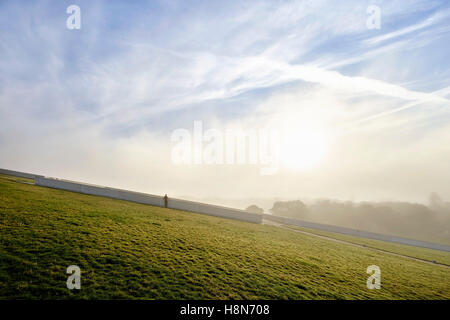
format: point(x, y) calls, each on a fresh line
point(214, 210)
point(100, 191)
point(357, 233)
point(144, 198)
point(18, 174)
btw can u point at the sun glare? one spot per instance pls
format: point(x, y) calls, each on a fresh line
point(303, 149)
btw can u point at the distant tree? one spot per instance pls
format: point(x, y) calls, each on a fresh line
point(405, 219)
point(441, 207)
point(254, 209)
point(435, 200)
point(291, 209)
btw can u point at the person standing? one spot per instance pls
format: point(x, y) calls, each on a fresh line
point(166, 200)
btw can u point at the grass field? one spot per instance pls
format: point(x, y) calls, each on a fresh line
point(410, 251)
point(127, 250)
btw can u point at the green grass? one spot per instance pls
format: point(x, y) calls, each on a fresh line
point(127, 250)
point(410, 251)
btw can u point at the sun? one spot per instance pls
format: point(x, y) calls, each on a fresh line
point(303, 149)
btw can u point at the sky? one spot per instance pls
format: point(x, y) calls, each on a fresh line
point(358, 90)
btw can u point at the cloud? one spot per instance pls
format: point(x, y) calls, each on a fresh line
point(99, 104)
point(376, 40)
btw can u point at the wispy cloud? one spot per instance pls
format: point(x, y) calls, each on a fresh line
point(135, 72)
point(421, 25)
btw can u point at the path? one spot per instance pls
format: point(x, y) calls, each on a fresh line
point(352, 243)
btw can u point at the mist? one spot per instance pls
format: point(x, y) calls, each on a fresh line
point(429, 222)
